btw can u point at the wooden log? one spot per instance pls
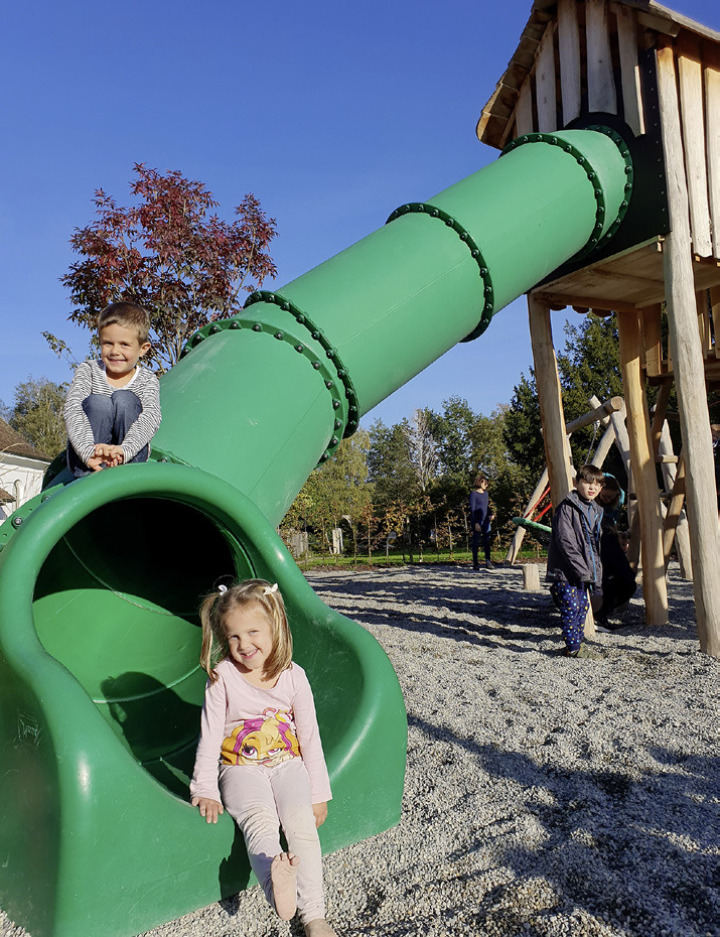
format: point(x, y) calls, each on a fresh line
point(659, 421)
point(701, 497)
point(643, 461)
point(545, 93)
point(531, 577)
point(652, 338)
point(674, 507)
point(557, 450)
point(600, 412)
point(519, 534)
point(569, 51)
point(675, 514)
point(630, 76)
point(693, 127)
point(600, 79)
point(605, 444)
point(617, 421)
point(604, 447)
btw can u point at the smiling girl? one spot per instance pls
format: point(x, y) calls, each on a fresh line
point(260, 754)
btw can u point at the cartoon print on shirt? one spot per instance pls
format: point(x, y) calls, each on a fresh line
point(268, 740)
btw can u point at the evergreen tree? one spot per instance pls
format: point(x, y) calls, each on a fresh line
point(37, 414)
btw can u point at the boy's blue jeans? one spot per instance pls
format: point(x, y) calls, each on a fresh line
point(573, 602)
point(110, 419)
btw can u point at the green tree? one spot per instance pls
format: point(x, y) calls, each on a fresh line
point(390, 463)
point(522, 430)
point(338, 490)
point(37, 414)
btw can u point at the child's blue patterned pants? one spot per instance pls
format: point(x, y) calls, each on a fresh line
point(573, 603)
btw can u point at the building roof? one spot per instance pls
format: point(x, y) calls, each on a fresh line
point(12, 442)
point(492, 127)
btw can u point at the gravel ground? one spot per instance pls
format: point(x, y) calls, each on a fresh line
point(544, 796)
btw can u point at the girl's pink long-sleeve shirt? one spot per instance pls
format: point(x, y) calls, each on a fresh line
point(230, 702)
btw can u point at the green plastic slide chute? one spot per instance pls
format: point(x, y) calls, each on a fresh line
point(100, 579)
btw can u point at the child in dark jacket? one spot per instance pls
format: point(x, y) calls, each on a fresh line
point(573, 564)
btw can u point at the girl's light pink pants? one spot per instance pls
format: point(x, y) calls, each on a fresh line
point(261, 800)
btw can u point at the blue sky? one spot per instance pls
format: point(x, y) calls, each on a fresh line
point(333, 114)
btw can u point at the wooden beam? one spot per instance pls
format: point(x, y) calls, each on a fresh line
point(600, 412)
point(584, 302)
point(519, 534)
point(601, 82)
point(689, 372)
point(630, 77)
point(557, 450)
point(693, 127)
point(658, 420)
point(569, 49)
point(673, 512)
point(652, 338)
point(545, 94)
point(523, 110)
point(643, 462)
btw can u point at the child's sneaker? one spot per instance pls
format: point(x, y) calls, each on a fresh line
point(489, 565)
point(582, 651)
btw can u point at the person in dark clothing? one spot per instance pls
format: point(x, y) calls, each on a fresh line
point(480, 518)
point(574, 566)
point(618, 578)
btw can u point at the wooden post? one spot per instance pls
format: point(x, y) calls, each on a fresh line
point(643, 462)
point(609, 436)
point(531, 577)
point(676, 517)
point(552, 415)
point(689, 370)
point(519, 535)
point(557, 450)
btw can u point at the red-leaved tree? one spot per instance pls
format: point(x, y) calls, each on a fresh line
point(172, 254)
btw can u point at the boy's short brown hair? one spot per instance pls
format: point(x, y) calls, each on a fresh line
point(590, 473)
point(129, 316)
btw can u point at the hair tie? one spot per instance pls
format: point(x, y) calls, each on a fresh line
point(222, 588)
point(269, 590)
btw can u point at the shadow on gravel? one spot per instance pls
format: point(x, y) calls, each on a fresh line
point(462, 596)
point(639, 852)
point(482, 635)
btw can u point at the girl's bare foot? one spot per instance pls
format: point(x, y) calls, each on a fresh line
point(282, 875)
point(319, 928)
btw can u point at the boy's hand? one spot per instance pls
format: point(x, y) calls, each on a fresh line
point(320, 812)
point(109, 456)
point(96, 462)
point(210, 809)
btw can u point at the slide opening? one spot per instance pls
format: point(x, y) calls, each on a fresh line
point(116, 603)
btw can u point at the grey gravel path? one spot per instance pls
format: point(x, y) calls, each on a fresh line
point(544, 796)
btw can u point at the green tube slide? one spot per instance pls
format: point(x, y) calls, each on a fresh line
point(100, 579)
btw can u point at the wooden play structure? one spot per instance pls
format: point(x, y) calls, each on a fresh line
point(655, 75)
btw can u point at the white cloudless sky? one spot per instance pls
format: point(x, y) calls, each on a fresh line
point(332, 114)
